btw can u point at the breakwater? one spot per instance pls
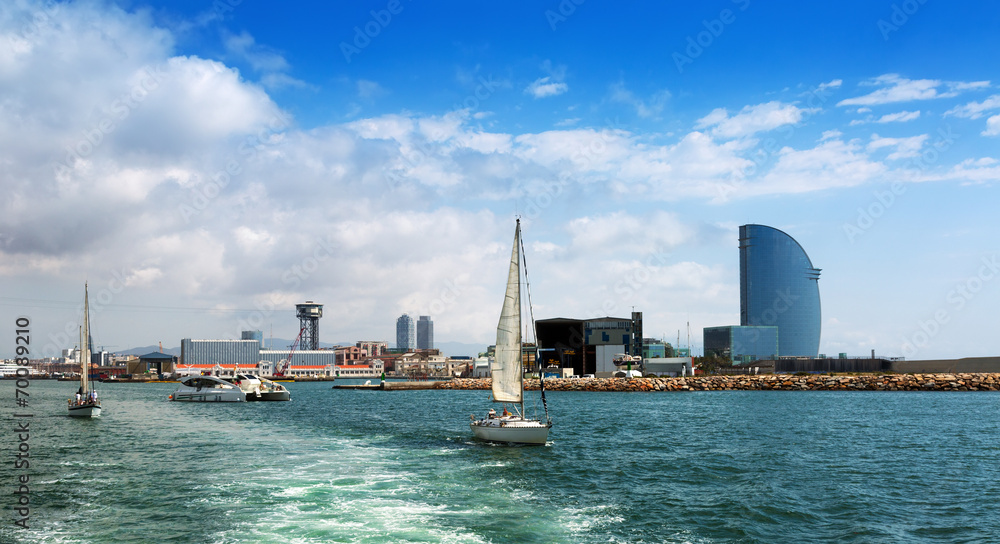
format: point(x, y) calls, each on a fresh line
point(766, 382)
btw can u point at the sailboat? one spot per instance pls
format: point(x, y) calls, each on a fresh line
point(86, 403)
point(508, 374)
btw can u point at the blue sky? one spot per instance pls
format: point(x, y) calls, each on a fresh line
point(206, 165)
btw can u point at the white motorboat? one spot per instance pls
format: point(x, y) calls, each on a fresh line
point(86, 403)
point(261, 389)
point(508, 376)
point(207, 389)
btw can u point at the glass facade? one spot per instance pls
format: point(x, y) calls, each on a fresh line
point(209, 352)
point(609, 331)
point(779, 287)
point(425, 332)
point(741, 344)
point(406, 333)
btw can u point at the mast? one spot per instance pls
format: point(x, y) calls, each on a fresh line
point(85, 342)
point(534, 330)
point(507, 374)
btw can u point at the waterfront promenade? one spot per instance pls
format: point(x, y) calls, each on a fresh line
point(766, 382)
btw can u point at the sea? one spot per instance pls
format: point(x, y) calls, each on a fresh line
point(336, 465)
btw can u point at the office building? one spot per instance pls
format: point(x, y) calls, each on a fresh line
point(425, 332)
point(406, 334)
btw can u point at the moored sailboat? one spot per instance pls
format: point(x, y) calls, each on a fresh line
point(508, 372)
point(86, 403)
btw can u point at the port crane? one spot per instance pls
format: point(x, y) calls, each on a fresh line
point(283, 367)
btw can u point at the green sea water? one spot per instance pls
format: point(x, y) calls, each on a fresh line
point(401, 466)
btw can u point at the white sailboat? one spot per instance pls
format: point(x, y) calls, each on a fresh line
point(508, 372)
point(86, 403)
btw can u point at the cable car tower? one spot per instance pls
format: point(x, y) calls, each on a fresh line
point(309, 314)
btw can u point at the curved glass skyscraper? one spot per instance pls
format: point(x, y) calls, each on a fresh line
point(779, 286)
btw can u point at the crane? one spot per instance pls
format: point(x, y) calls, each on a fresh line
point(283, 367)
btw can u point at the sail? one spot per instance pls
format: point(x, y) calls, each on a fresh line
point(85, 342)
point(506, 367)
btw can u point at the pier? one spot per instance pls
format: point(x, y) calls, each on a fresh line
point(766, 382)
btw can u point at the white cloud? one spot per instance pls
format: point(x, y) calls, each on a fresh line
point(644, 109)
point(832, 164)
point(262, 59)
point(899, 117)
point(835, 84)
point(894, 88)
point(975, 110)
point(751, 119)
point(982, 171)
point(992, 126)
point(904, 147)
point(544, 86)
point(627, 233)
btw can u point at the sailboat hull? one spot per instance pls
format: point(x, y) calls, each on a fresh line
point(85, 410)
point(514, 431)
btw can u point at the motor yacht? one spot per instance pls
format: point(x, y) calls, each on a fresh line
point(207, 389)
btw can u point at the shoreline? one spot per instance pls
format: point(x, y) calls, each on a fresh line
point(764, 382)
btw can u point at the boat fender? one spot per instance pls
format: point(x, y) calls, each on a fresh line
point(171, 397)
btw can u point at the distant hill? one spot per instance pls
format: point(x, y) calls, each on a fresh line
point(448, 349)
point(149, 349)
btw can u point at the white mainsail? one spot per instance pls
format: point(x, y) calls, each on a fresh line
point(506, 369)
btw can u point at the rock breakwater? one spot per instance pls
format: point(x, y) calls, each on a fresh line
point(766, 382)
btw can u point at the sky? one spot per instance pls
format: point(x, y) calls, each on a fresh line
point(206, 165)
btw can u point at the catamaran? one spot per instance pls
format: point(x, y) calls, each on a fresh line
point(86, 403)
point(508, 372)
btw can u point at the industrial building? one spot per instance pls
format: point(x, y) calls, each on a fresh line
point(588, 346)
point(304, 357)
point(247, 354)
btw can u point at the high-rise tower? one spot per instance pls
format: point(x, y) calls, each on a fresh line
point(406, 336)
point(309, 314)
point(779, 287)
point(425, 332)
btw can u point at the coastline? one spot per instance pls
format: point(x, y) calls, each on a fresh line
point(766, 382)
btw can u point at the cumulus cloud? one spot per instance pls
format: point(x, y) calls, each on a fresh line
point(264, 60)
point(992, 126)
point(124, 158)
point(834, 163)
